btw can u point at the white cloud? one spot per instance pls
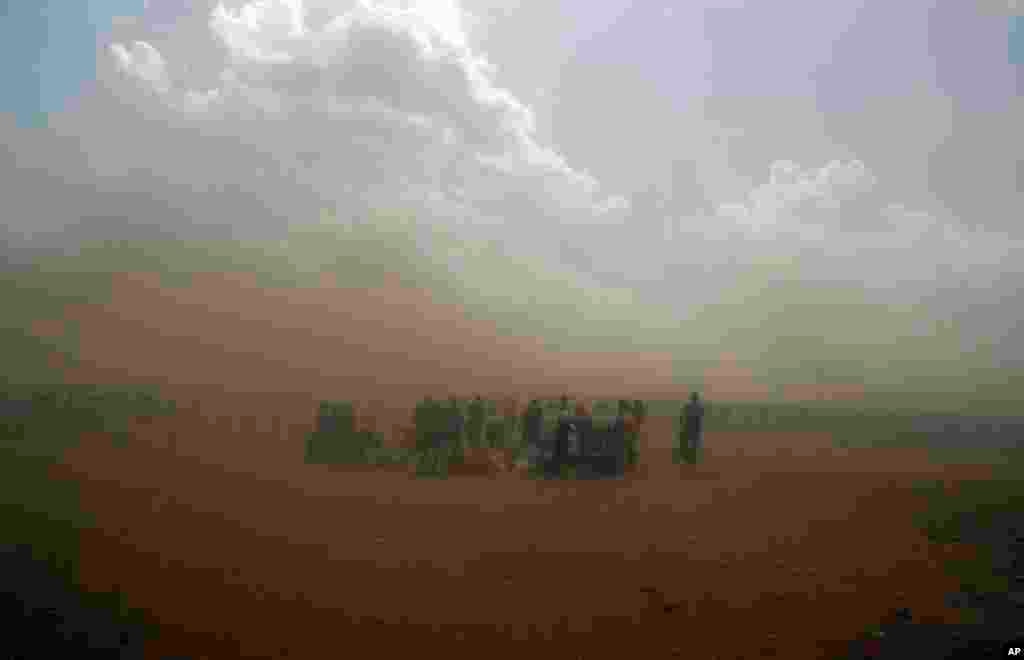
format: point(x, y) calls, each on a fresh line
point(144, 63)
point(832, 221)
point(272, 110)
point(406, 72)
point(794, 197)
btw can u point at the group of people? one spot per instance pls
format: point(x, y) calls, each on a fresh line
point(691, 422)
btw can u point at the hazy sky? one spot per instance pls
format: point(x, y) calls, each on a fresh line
point(655, 144)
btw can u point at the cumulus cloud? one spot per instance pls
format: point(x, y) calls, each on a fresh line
point(143, 62)
point(825, 226)
point(385, 84)
point(828, 218)
point(266, 112)
point(799, 199)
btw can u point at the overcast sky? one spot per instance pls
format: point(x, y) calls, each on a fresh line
point(653, 144)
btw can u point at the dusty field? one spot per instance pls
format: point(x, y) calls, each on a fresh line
point(778, 551)
point(776, 544)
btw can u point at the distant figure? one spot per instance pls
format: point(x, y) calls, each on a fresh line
point(534, 411)
point(693, 427)
point(476, 422)
point(639, 410)
point(429, 420)
point(532, 426)
point(456, 421)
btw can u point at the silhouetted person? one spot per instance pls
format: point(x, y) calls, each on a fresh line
point(693, 428)
point(431, 427)
point(476, 421)
point(639, 410)
point(533, 419)
point(455, 419)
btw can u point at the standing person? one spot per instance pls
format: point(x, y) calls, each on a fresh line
point(533, 429)
point(421, 420)
point(476, 422)
point(693, 428)
point(456, 422)
point(532, 418)
point(640, 410)
point(510, 413)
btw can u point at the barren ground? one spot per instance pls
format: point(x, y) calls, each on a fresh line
point(777, 544)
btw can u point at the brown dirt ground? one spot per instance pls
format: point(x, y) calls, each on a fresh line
point(777, 544)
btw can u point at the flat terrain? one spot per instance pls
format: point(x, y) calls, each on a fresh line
point(776, 544)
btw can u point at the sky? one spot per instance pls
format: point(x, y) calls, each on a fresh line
point(661, 146)
point(1016, 40)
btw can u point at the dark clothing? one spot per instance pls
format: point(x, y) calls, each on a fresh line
point(475, 423)
point(691, 423)
point(533, 424)
point(694, 424)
